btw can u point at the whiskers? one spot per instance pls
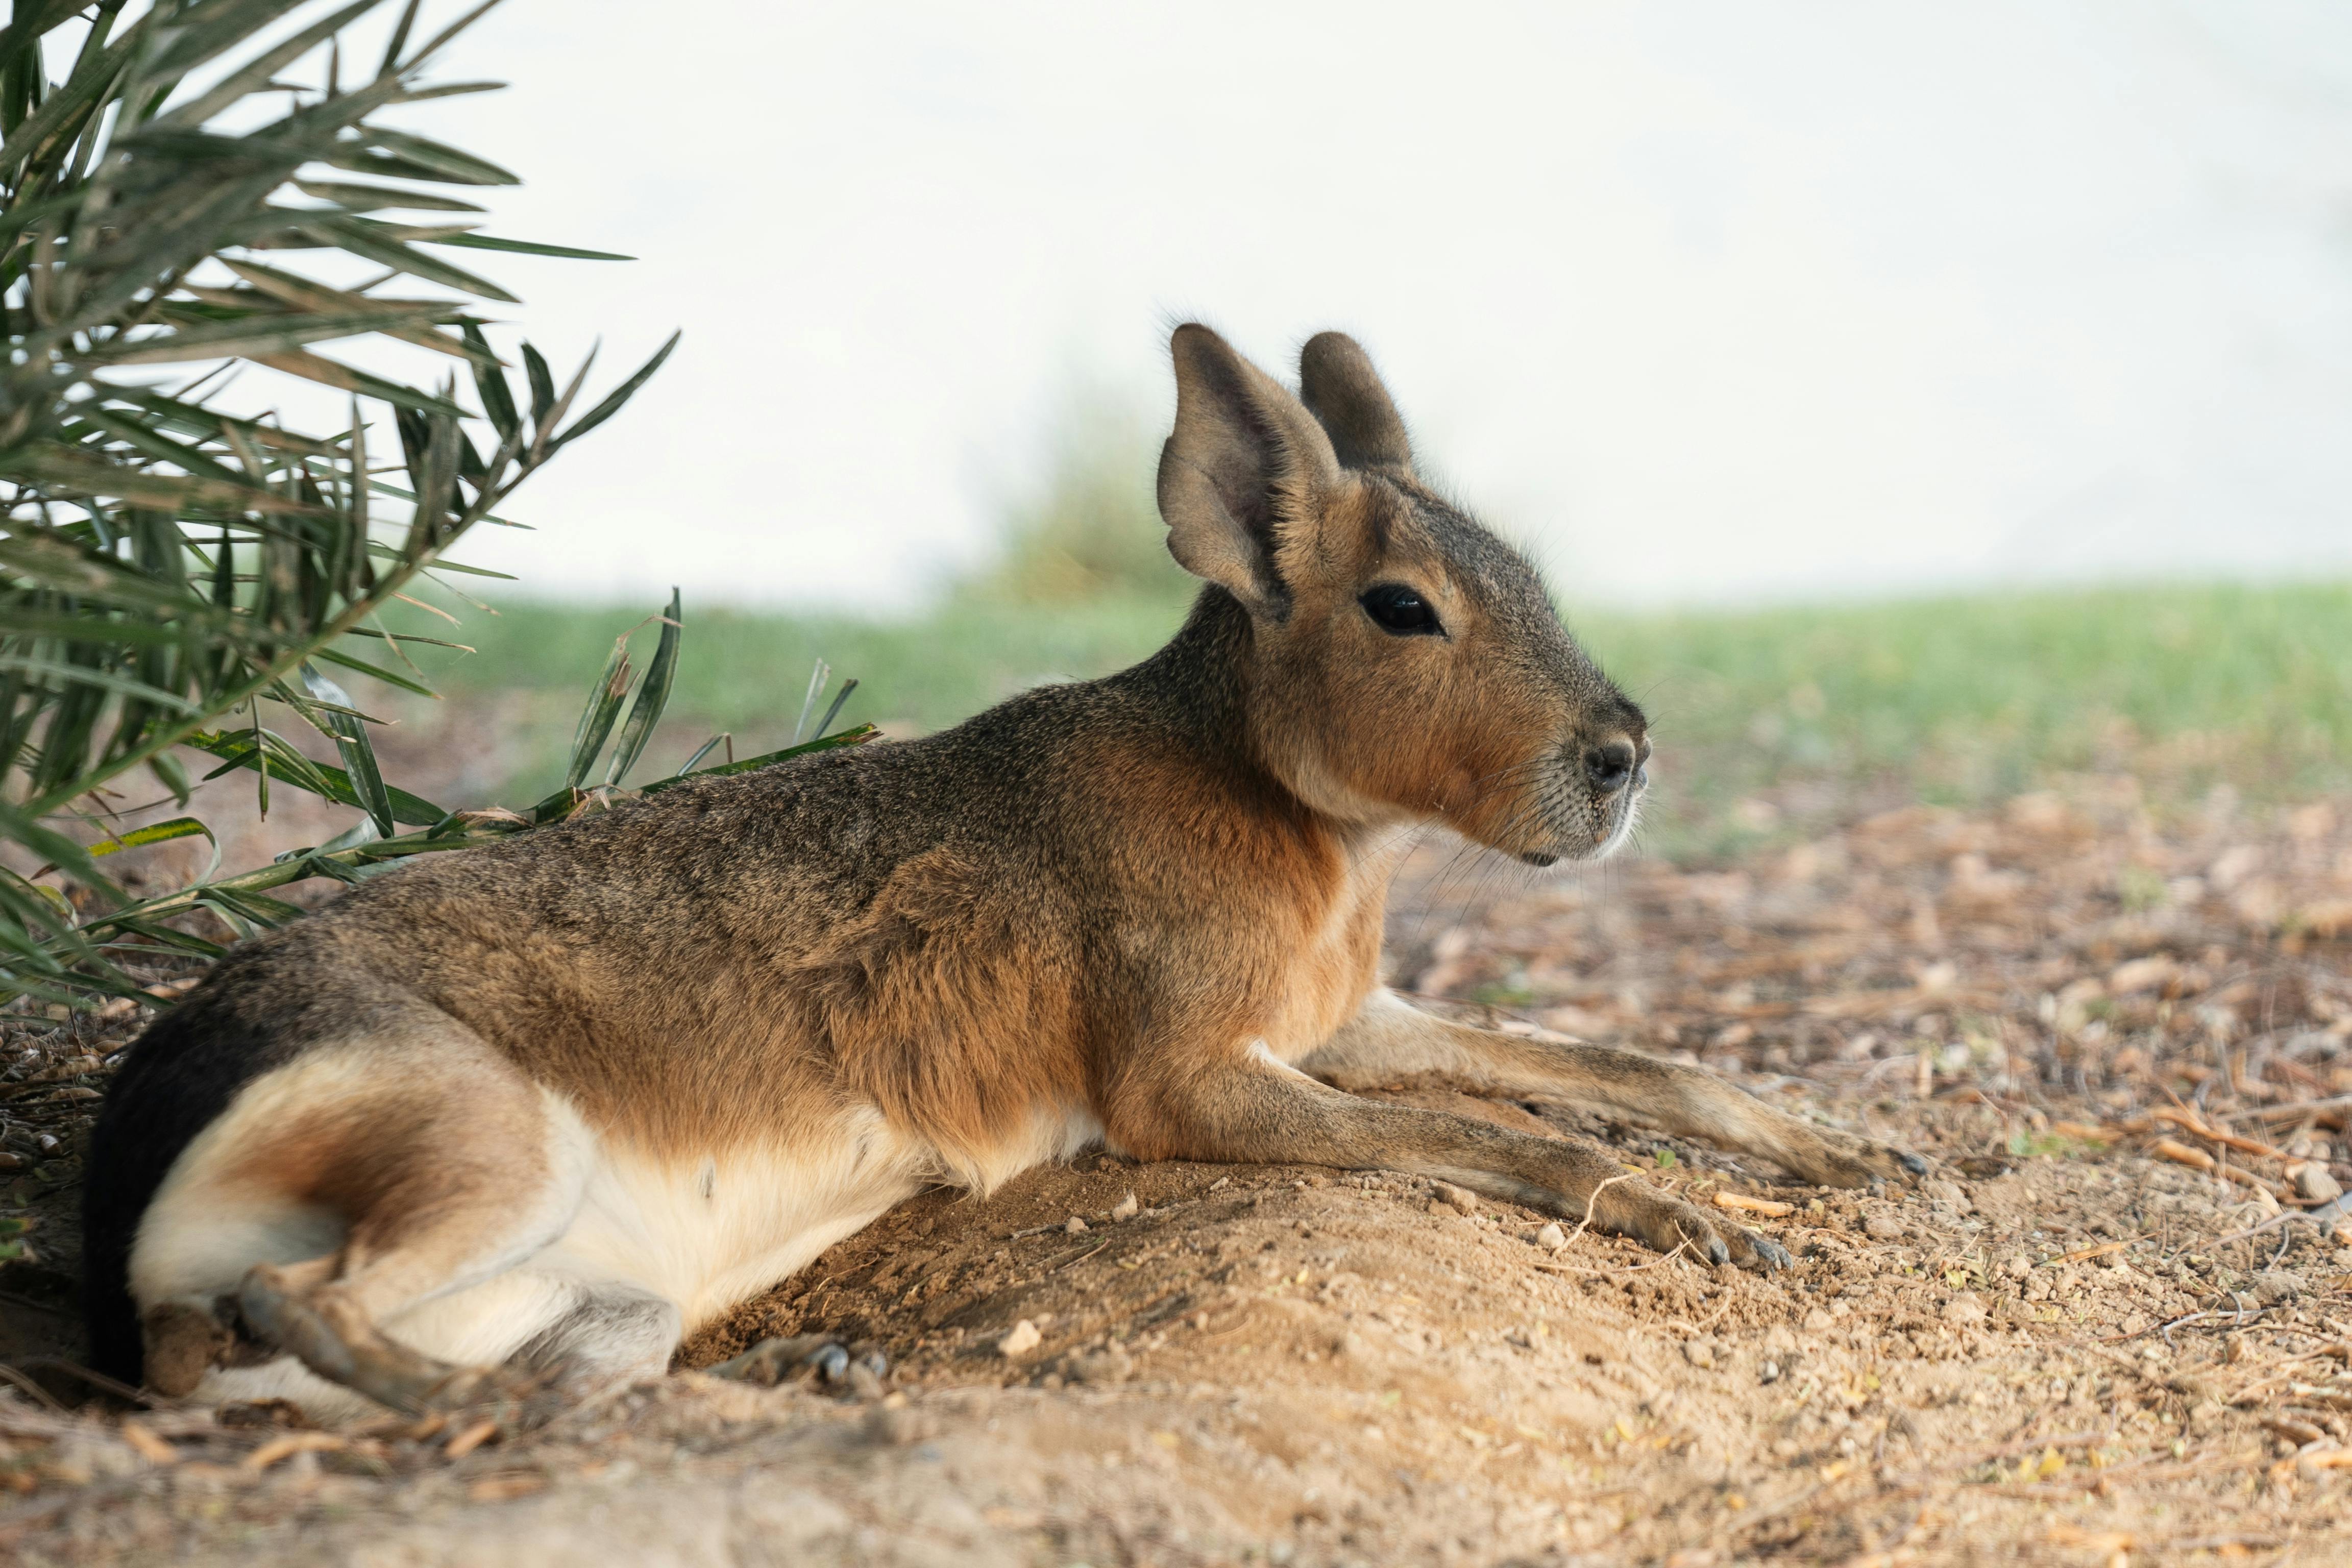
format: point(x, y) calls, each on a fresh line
point(1551, 802)
point(1487, 868)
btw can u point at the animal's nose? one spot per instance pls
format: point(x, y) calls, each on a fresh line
point(1609, 764)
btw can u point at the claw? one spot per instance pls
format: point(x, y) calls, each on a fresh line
point(770, 1362)
point(1912, 1163)
point(1715, 1251)
point(1774, 1255)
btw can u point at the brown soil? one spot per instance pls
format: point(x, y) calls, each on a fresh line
point(2060, 1348)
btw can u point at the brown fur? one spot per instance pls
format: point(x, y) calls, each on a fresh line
point(1151, 904)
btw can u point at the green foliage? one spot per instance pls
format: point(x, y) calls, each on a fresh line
point(1965, 700)
point(164, 564)
point(242, 901)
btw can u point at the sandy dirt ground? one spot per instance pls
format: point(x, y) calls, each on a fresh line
point(2112, 1325)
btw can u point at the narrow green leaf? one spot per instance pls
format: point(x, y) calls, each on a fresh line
point(389, 676)
point(171, 776)
point(446, 163)
point(616, 398)
point(527, 247)
point(840, 700)
point(362, 774)
point(399, 39)
point(434, 45)
point(164, 936)
point(703, 750)
point(256, 907)
point(653, 695)
point(447, 565)
point(596, 719)
point(398, 637)
point(857, 737)
point(542, 384)
point(156, 833)
point(490, 382)
point(352, 235)
point(331, 782)
point(252, 338)
point(366, 198)
point(333, 372)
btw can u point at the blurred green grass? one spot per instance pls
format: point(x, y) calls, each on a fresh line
point(1957, 700)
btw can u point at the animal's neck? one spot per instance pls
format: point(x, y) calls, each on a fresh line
point(1200, 679)
point(1199, 686)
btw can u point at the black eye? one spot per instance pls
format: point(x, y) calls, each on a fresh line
point(1399, 611)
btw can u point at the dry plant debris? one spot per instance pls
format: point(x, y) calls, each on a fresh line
point(2114, 1325)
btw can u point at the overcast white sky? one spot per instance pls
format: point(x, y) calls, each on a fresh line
point(1707, 300)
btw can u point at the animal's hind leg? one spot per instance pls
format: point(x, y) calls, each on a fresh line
point(465, 1208)
point(447, 1168)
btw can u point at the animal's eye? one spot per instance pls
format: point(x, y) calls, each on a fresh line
point(1399, 611)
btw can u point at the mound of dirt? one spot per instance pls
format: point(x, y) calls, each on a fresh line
point(2116, 1319)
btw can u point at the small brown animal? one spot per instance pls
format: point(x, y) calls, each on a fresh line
point(517, 1120)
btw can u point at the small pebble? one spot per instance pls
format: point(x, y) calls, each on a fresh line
point(1883, 1227)
point(1551, 1238)
point(1077, 1226)
point(1964, 1309)
point(1950, 1193)
point(1125, 1208)
point(1462, 1200)
point(1019, 1341)
point(1698, 1353)
point(2312, 1183)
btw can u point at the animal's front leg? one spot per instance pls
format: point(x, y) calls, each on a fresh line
point(1243, 1105)
point(1391, 1038)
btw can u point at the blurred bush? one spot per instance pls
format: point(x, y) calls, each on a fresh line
point(1089, 530)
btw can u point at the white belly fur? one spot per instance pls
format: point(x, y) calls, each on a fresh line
point(709, 1233)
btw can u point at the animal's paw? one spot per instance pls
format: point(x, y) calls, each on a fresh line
point(820, 1357)
point(485, 1388)
point(1828, 1158)
point(1667, 1224)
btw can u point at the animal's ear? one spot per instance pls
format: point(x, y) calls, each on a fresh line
point(1336, 379)
point(1245, 465)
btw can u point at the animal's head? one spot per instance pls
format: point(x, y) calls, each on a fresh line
point(1404, 661)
